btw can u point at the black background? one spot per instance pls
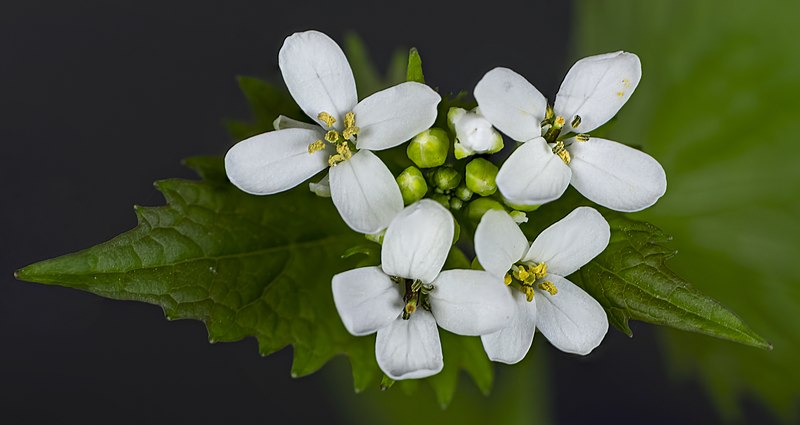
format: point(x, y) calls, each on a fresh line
point(101, 98)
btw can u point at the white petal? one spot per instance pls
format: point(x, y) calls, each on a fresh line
point(365, 192)
point(510, 344)
point(471, 302)
point(417, 241)
point(533, 174)
point(283, 122)
point(275, 161)
point(321, 188)
point(499, 242)
point(571, 320)
point(616, 176)
point(410, 349)
point(366, 299)
point(511, 104)
point(392, 116)
point(596, 88)
point(318, 75)
point(571, 242)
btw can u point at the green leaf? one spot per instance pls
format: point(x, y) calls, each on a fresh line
point(248, 266)
point(631, 280)
point(245, 265)
point(266, 102)
point(522, 396)
point(368, 78)
point(415, 67)
point(717, 106)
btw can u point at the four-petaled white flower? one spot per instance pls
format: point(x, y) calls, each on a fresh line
point(320, 80)
point(474, 133)
point(405, 298)
point(606, 172)
point(567, 316)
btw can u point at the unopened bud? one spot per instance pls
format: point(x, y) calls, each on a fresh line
point(456, 204)
point(521, 207)
point(412, 185)
point(463, 193)
point(481, 175)
point(479, 206)
point(447, 178)
point(442, 199)
point(474, 133)
point(429, 148)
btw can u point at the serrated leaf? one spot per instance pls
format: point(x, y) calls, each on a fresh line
point(245, 265)
point(248, 266)
point(718, 107)
point(631, 280)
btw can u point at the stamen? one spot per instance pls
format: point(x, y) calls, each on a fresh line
point(576, 121)
point(539, 270)
point(582, 138)
point(549, 287)
point(316, 146)
point(350, 120)
point(327, 118)
point(549, 114)
point(528, 290)
point(562, 152)
point(350, 132)
point(344, 150)
point(332, 136)
point(335, 159)
point(507, 279)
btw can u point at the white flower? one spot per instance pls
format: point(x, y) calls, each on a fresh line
point(606, 172)
point(474, 133)
point(405, 298)
point(567, 316)
point(320, 80)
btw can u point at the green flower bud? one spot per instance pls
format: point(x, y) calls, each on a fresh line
point(478, 207)
point(481, 176)
point(429, 148)
point(463, 193)
point(446, 178)
point(412, 185)
point(521, 207)
point(456, 204)
point(442, 199)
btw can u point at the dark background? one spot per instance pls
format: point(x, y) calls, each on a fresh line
point(98, 99)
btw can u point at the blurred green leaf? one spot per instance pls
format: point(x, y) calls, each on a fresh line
point(415, 67)
point(266, 102)
point(521, 397)
point(368, 78)
point(718, 107)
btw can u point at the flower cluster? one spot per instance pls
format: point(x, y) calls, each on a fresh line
point(515, 287)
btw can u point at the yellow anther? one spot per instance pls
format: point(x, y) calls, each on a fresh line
point(411, 307)
point(549, 287)
point(528, 293)
point(332, 136)
point(521, 274)
point(576, 121)
point(562, 152)
point(350, 120)
point(582, 137)
point(539, 270)
point(335, 159)
point(507, 279)
point(548, 114)
point(327, 118)
point(344, 150)
point(350, 132)
point(316, 146)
